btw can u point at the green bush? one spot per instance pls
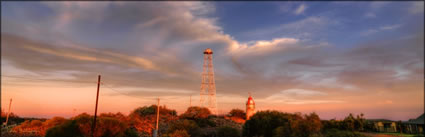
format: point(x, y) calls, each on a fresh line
point(196, 113)
point(264, 122)
point(81, 126)
point(228, 132)
point(151, 110)
point(68, 129)
point(200, 115)
point(188, 125)
point(237, 113)
point(278, 124)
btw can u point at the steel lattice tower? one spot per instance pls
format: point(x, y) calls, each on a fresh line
point(208, 83)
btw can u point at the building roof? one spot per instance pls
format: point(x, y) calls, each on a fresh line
point(250, 101)
point(419, 120)
point(208, 51)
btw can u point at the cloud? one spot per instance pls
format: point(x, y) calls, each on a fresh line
point(263, 46)
point(390, 27)
point(152, 91)
point(295, 93)
point(386, 102)
point(375, 7)
point(81, 54)
point(370, 15)
point(312, 62)
point(300, 9)
point(295, 96)
point(382, 28)
point(302, 92)
point(378, 4)
point(416, 7)
point(305, 28)
point(314, 101)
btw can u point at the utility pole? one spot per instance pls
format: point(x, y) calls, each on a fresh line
point(95, 110)
point(155, 134)
point(8, 112)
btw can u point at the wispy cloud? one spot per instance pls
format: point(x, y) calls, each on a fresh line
point(298, 96)
point(390, 27)
point(300, 9)
point(294, 93)
point(302, 92)
point(386, 102)
point(262, 46)
point(416, 7)
point(382, 28)
point(370, 15)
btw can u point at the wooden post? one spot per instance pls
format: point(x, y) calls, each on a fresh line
point(8, 112)
point(157, 120)
point(157, 116)
point(95, 110)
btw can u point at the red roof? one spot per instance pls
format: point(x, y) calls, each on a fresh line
point(250, 101)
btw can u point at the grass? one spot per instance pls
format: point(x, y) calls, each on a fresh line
point(398, 134)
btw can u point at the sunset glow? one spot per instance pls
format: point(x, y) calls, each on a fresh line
point(331, 58)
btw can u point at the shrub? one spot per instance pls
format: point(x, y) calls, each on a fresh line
point(274, 123)
point(143, 119)
point(264, 122)
point(81, 126)
point(151, 110)
point(180, 133)
point(68, 129)
point(200, 115)
point(187, 125)
point(228, 132)
point(237, 113)
point(196, 113)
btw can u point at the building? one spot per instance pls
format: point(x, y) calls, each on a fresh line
point(414, 126)
point(250, 107)
point(383, 125)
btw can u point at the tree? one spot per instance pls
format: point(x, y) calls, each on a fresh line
point(199, 114)
point(237, 113)
point(278, 124)
point(187, 125)
point(360, 122)
point(106, 126)
point(69, 129)
point(51, 123)
point(151, 110)
point(196, 113)
point(228, 132)
point(264, 122)
point(348, 123)
point(143, 119)
point(313, 124)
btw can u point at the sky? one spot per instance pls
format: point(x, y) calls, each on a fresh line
point(332, 58)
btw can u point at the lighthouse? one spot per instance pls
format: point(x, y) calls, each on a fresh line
point(250, 107)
